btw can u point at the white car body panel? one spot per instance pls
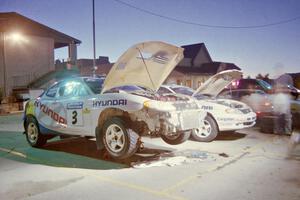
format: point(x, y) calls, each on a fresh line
point(81, 114)
point(229, 114)
point(242, 117)
point(88, 110)
point(215, 84)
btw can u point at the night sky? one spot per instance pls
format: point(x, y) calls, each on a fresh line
point(255, 50)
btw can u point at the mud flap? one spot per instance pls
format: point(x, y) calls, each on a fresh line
point(99, 141)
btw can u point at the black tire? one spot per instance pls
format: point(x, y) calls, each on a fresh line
point(208, 133)
point(177, 138)
point(127, 138)
point(33, 134)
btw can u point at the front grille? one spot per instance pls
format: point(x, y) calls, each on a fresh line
point(248, 123)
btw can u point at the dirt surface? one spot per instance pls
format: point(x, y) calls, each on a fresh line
point(237, 165)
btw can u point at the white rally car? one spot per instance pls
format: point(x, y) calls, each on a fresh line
point(86, 106)
point(223, 114)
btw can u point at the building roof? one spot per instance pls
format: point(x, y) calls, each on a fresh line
point(192, 50)
point(207, 68)
point(12, 21)
point(294, 75)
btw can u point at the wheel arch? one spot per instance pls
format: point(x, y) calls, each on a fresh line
point(104, 115)
point(209, 114)
point(25, 119)
point(111, 112)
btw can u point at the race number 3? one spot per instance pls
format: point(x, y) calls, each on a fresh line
point(75, 117)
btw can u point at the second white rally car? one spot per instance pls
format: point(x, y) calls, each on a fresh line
point(87, 106)
point(223, 114)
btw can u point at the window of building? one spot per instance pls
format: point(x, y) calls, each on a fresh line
point(200, 83)
point(188, 83)
point(179, 82)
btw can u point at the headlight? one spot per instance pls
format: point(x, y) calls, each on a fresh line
point(233, 111)
point(146, 104)
point(159, 106)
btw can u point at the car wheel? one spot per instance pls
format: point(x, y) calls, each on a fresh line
point(208, 132)
point(33, 135)
point(119, 141)
point(177, 138)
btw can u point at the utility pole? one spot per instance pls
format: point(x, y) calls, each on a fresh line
point(94, 41)
point(4, 65)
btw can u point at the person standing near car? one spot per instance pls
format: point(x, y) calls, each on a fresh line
point(281, 103)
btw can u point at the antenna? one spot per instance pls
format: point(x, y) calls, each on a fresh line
point(94, 42)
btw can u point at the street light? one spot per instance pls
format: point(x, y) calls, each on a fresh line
point(16, 37)
point(4, 65)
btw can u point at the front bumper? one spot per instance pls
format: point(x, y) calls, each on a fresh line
point(237, 122)
point(184, 120)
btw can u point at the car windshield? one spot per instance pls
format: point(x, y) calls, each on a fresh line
point(127, 88)
point(265, 85)
point(183, 90)
point(95, 84)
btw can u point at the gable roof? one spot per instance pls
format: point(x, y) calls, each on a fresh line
point(12, 21)
point(294, 75)
point(207, 68)
point(192, 50)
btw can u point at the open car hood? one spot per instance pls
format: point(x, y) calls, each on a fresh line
point(215, 84)
point(146, 65)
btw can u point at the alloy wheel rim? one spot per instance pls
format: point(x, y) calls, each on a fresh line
point(205, 131)
point(115, 138)
point(32, 132)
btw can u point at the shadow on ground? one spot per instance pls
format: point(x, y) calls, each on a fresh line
point(71, 152)
point(230, 135)
point(88, 148)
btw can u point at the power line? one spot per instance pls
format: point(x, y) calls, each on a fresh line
point(205, 25)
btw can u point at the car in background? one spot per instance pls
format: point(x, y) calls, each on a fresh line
point(267, 87)
point(88, 106)
point(288, 89)
point(258, 100)
point(223, 114)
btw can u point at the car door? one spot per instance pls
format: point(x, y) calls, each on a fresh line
point(73, 96)
point(50, 115)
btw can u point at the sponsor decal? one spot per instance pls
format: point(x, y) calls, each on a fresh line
point(75, 105)
point(115, 102)
point(51, 113)
point(226, 119)
point(86, 111)
point(207, 107)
